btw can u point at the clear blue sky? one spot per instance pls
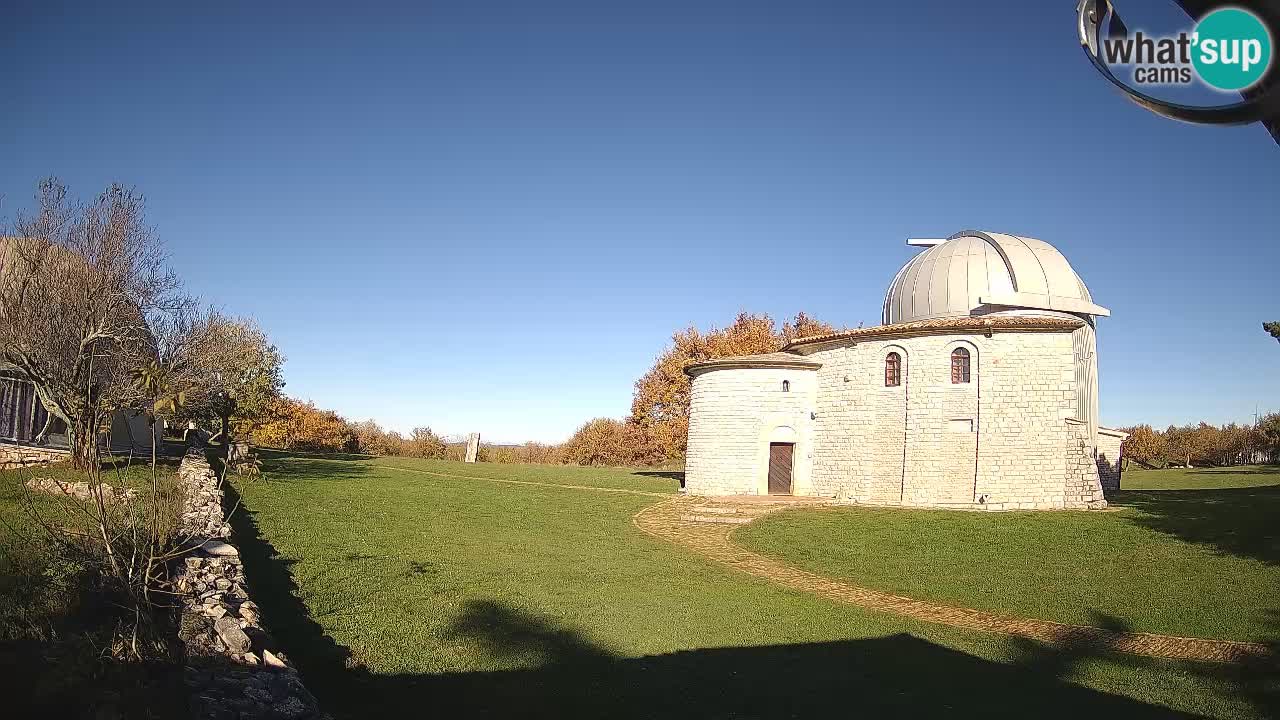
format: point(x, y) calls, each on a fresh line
point(491, 216)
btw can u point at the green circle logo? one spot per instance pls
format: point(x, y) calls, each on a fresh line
point(1232, 49)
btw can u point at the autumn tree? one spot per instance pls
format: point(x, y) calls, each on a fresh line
point(1267, 432)
point(1144, 446)
point(1273, 329)
point(661, 402)
point(1183, 445)
point(1234, 443)
point(78, 283)
point(609, 442)
point(240, 376)
point(296, 425)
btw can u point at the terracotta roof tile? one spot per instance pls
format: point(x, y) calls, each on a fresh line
point(766, 360)
point(980, 324)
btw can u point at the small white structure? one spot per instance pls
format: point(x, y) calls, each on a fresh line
point(979, 391)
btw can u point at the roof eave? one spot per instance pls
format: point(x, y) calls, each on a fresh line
point(942, 326)
point(741, 364)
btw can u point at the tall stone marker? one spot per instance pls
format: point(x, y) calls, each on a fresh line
point(473, 447)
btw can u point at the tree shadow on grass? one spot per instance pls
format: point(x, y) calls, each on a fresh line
point(1238, 471)
point(669, 474)
point(1234, 521)
point(563, 673)
point(677, 475)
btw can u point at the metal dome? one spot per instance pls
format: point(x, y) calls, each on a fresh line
point(979, 273)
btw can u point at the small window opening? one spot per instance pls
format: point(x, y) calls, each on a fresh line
point(893, 370)
point(786, 386)
point(959, 366)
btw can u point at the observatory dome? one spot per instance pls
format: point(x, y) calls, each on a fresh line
point(981, 273)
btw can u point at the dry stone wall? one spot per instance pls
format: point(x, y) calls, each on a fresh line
point(235, 670)
point(16, 456)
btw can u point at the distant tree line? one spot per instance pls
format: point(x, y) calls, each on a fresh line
point(1204, 445)
point(654, 433)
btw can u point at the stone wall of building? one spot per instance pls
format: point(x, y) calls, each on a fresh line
point(943, 423)
point(734, 413)
point(997, 442)
point(1006, 440)
point(235, 670)
point(859, 435)
point(16, 456)
point(1028, 393)
point(1109, 442)
point(1082, 490)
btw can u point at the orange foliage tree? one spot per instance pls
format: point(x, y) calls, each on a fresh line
point(605, 441)
point(297, 425)
point(660, 406)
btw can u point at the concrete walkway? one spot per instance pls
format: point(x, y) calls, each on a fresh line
point(704, 525)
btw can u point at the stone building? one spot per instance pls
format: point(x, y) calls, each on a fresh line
point(979, 391)
point(29, 436)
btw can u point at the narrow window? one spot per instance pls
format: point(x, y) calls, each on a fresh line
point(786, 386)
point(893, 370)
point(959, 366)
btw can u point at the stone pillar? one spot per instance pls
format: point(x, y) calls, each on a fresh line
point(473, 447)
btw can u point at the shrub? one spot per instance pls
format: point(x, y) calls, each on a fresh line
point(424, 443)
point(605, 441)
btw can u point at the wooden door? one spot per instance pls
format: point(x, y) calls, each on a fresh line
point(780, 455)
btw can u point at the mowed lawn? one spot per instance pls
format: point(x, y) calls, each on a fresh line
point(1192, 553)
point(415, 588)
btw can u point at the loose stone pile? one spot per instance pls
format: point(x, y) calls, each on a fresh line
point(235, 670)
point(77, 490)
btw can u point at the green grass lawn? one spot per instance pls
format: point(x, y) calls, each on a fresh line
point(402, 588)
point(1191, 553)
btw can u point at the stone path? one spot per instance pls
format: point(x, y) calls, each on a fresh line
point(704, 525)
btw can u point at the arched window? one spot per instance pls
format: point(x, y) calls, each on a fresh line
point(786, 386)
point(892, 370)
point(959, 366)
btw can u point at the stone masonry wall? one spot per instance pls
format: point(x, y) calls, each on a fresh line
point(16, 456)
point(859, 436)
point(1006, 440)
point(731, 414)
point(1109, 442)
point(913, 444)
point(1028, 392)
point(943, 423)
point(998, 442)
point(235, 670)
point(1082, 490)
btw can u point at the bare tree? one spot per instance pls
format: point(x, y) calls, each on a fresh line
point(79, 285)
